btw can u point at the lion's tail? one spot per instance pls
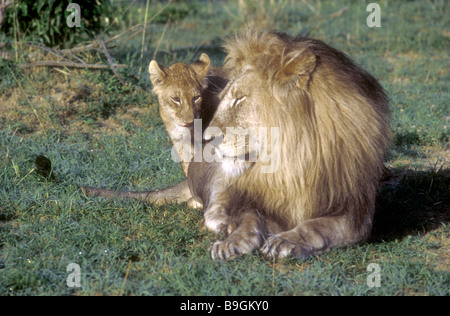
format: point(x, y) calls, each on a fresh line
point(178, 193)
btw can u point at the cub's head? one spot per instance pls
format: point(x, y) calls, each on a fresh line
point(179, 89)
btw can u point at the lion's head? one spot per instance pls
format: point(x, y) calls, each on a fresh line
point(331, 121)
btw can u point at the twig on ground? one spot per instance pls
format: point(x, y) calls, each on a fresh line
point(70, 60)
point(111, 62)
point(67, 64)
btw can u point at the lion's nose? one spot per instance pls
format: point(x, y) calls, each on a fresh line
point(211, 133)
point(187, 123)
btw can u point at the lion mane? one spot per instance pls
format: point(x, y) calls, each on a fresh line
point(333, 119)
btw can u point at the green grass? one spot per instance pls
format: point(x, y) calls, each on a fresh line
point(46, 225)
point(98, 132)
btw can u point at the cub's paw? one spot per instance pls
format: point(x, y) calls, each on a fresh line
point(194, 204)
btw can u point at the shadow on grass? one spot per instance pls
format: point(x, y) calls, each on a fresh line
point(411, 202)
point(414, 138)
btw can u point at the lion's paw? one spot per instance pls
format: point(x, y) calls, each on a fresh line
point(219, 223)
point(276, 247)
point(230, 248)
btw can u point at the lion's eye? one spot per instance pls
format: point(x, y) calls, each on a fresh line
point(196, 99)
point(238, 100)
point(176, 100)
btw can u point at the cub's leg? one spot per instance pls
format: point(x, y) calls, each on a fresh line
point(312, 237)
point(248, 235)
point(178, 193)
point(210, 186)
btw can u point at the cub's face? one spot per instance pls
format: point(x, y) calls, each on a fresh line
point(179, 89)
point(179, 101)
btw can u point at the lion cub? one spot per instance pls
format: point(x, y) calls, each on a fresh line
point(188, 92)
point(185, 92)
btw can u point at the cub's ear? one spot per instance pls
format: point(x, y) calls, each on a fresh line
point(299, 67)
point(157, 74)
point(201, 66)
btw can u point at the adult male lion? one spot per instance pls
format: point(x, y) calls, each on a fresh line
point(333, 132)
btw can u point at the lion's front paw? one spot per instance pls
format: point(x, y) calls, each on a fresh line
point(220, 223)
point(230, 248)
point(277, 247)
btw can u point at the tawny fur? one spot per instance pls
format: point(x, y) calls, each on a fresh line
point(333, 122)
point(185, 92)
point(334, 133)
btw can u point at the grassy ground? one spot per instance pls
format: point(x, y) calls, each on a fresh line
point(99, 132)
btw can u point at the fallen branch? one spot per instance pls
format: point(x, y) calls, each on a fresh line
point(43, 47)
point(110, 61)
point(67, 64)
point(69, 58)
point(91, 46)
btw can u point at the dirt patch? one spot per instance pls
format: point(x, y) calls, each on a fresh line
point(440, 253)
point(72, 105)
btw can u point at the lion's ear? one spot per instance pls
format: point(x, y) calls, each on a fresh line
point(157, 74)
point(201, 66)
point(300, 67)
